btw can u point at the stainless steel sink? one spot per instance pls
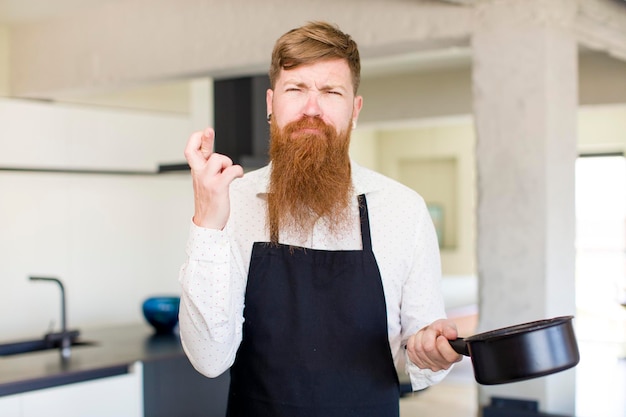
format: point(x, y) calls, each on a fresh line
point(49, 342)
point(63, 340)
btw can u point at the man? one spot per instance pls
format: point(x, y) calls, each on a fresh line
point(313, 279)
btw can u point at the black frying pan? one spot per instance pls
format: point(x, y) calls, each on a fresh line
point(521, 352)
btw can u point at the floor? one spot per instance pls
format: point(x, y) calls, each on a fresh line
point(600, 380)
point(456, 396)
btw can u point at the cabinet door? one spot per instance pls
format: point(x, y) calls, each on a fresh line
point(173, 388)
point(119, 396)
point(10, 406)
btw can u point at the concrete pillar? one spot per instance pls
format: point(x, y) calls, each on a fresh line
point(525, 107)
point(4, 60)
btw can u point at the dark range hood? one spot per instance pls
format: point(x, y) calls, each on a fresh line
point(240, 122)
point(241, 128)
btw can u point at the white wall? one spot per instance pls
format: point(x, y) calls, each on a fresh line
point(113, 240)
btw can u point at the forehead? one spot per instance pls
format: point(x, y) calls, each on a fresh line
point(327, 72)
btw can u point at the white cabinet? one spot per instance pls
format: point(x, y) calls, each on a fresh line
point(10, 406)
point(120, 396)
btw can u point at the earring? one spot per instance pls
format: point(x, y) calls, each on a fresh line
point(353, 124)
point(269, 117)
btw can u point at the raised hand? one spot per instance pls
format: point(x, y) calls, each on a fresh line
point(212, 174)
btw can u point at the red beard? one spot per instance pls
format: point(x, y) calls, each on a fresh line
point(310, 177)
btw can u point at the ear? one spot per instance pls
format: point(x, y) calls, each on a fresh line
point(356, 108)
point(269, 95)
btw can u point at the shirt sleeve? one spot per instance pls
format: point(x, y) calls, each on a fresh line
point(422, 295)
point(211, 308)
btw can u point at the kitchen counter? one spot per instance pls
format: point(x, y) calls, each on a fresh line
point(113, 351)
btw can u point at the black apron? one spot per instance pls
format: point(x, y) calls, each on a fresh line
point(315, 340)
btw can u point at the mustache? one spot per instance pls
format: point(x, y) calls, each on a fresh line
point(308, 122)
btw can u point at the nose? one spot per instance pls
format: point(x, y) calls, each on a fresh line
point(312, 106)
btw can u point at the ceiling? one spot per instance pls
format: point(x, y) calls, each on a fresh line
point(21, 11)
point(32, 10)
point(18, 11)
point(15, 11)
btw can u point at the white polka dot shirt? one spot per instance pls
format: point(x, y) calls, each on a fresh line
point(213, 278)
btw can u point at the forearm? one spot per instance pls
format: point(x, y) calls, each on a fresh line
point(211, 304)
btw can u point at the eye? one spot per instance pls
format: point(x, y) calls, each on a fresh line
point(334, 92)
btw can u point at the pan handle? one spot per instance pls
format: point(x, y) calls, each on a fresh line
point(460, 346)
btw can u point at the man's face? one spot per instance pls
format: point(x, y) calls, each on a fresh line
point(313, 108)
point(322, 90)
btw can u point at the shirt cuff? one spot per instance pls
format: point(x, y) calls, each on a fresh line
point(422, 378)
point(210, 245)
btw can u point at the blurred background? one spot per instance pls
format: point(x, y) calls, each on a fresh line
point(508, 116)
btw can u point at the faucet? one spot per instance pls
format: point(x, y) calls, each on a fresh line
point(64, 336)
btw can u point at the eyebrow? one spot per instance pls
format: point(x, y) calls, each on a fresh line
point(325, 87)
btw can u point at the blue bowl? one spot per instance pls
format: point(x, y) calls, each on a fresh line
point(162, 313)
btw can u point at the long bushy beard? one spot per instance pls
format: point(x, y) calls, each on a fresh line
point(310, 178)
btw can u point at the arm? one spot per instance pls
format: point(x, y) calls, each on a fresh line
point(209, 324)
point(428, 354)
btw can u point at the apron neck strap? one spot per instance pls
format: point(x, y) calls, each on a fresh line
point(365, 223)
